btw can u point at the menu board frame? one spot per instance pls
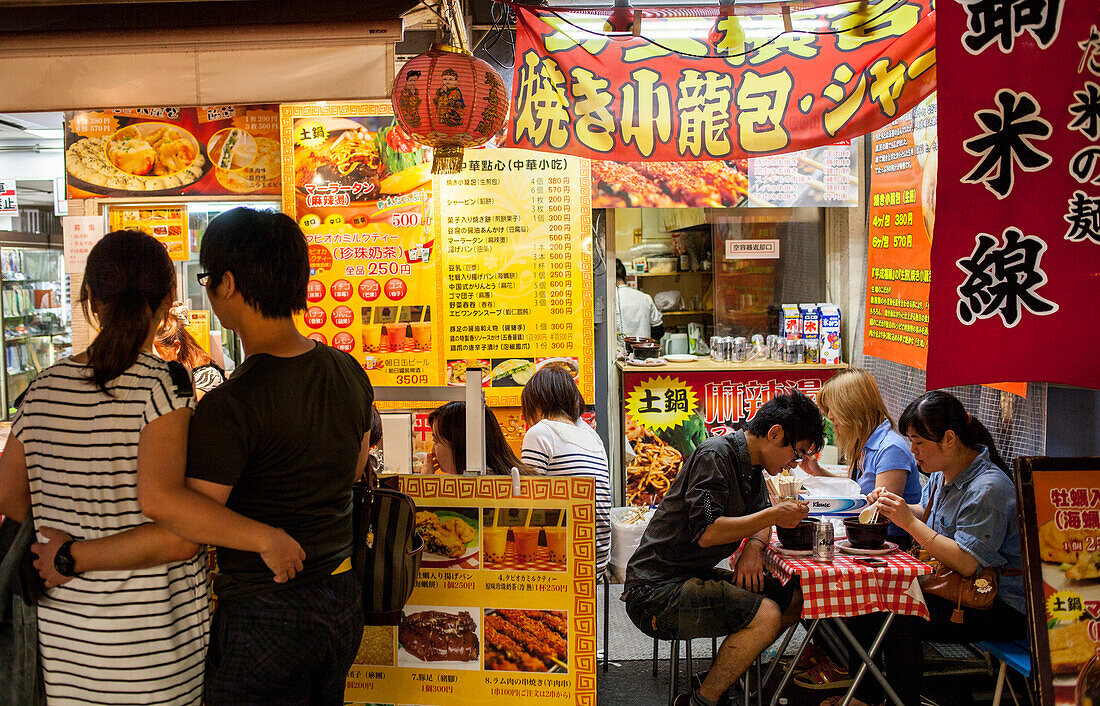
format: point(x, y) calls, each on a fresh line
point(1027, 470)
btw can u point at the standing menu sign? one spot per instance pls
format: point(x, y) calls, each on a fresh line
point(504, 607)
point(515, 230)
point(168, 224)
point(1059, 500)
point(902, 213)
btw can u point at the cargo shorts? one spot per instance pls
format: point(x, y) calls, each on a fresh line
point(703, 606)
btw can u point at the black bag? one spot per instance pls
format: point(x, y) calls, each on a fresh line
point(386, 552)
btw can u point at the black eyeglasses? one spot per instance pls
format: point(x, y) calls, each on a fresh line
point(203, 278)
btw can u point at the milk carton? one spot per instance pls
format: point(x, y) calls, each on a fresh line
point(810, 321)
point(792, 321)
point(829, 325)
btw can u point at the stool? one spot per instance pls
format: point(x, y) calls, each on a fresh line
point(1015, 654)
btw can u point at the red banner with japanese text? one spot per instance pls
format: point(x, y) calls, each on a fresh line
point(717, 88)
point(1014, 264)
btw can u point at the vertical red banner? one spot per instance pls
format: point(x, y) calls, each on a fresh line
point(1016, 255)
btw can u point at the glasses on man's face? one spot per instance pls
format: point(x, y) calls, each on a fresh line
point(203, 278)
point(800, 454)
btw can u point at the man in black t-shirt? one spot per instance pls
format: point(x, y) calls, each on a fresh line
point(717, 501)
point(279, 443)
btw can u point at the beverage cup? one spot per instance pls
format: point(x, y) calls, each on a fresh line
point(398, 335)
point(494, 541)
point(527, 543)
point(422, 335)
point(372, 337)
point(557, 542)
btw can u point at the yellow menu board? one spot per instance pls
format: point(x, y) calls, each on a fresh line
point(516, 285)
point(198, 325)
point(361, 190)
point(168, 224)
point(504, 607)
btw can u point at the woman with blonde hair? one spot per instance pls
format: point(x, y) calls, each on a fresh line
point(175, 342)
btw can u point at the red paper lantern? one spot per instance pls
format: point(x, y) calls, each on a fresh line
point(448, 99)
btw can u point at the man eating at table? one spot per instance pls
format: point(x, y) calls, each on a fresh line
point(718, 500)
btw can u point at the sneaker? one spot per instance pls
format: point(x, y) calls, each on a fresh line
point(812, 657)
point(824, 676)
point(697, 681)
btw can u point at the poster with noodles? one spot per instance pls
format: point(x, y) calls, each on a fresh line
point(504, 607)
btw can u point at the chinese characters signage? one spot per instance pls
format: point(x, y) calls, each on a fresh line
point(166, 224)
point(716, 88)
point(203, 151)
point(504, 607)
point(1017, 262)
point(669, 414)
point(8, 201)
point(902, 211)
point(752, 249)
point(1060, 504)
point(516, 294)
point(362, 192)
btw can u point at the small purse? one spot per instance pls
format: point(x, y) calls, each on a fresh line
point(977, 592)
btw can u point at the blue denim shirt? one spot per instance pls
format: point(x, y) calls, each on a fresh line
point(978, 511)
point(886, 450)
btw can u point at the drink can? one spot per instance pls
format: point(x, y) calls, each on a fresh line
point(824, 550)
point(758, 339)
point(740, 349)
point(794, 351)
point(811, 350)
point(716, 353)
point(727, 347)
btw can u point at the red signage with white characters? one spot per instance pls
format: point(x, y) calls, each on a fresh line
point(1015, 266)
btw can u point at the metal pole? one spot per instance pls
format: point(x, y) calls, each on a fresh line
point(868, 664)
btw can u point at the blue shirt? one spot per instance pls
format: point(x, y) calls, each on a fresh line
point(978, 511)
point(886, 450)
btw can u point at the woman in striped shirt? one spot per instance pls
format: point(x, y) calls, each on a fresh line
point(126, 616)
point(560, 443)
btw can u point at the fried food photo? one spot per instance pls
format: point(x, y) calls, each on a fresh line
point(446, 538)
point(376, 647)
point(526, 641)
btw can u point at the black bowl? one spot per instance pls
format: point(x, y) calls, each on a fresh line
point(797, 538)
point(866, 536)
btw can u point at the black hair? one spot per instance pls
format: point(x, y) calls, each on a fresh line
point(934, 413)
point(126, 280)
point(267, 254)
point(796, 413)
point(620, 271)
point(375, 427)
point(551, 392)
point(449, 421)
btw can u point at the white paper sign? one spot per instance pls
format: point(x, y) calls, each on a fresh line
point(752, 249)
point(8, 201)
point(81, 234)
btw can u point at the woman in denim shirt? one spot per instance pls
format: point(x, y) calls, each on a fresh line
point(973, 524)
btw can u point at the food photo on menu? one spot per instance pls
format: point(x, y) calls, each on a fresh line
point(376, 649)
point(526, 640)
point(439, 637)
point(450, 537)
point(522, 539)
point(1071, 569)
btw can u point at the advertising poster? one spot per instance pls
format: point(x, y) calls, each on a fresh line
point(361, 191)
point(9, 202)
point(1014, 263)
point(172, 151)
point(198, 325)
point(902, 214)
point(668, 414)
point(516, 286)
point(504, 608)
point(702, 90)
point(1060, 504)
point(168, 224)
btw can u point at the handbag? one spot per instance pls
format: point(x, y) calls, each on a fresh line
point(386, 551)
point(977, 592)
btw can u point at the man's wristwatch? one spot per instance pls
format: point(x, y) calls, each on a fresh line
point(63, 561)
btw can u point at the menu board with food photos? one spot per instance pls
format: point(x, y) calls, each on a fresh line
point(421, 279)
point(168, 224)
point(504, 607)
point(1059, 501)
point(172, 151)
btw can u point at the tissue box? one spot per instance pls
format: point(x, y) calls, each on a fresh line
point(835, 506)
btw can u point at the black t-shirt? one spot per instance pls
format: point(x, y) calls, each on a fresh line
point(718, 480)
point(286, 434)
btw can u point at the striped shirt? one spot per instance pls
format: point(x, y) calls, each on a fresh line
point(109, 637)
point(560, 449)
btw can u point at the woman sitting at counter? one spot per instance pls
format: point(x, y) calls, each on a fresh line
point(973, 524)
point(559, 443)
point(448, 453)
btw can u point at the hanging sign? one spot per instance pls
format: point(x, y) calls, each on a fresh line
point(1016, 263)
point(716, 88)
point(168, 224)
point(8, 202)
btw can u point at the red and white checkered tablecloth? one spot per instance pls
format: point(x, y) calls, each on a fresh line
point(542, 562)
point(844, 588)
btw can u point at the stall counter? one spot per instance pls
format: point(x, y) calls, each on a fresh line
point(670, 409)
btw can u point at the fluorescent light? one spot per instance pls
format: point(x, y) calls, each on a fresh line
point(47, 134)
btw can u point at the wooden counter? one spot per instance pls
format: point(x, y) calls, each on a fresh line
point(706, 365)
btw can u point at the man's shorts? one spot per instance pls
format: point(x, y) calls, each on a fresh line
point(706, 606)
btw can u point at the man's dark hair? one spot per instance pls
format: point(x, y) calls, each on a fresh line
point(796, 413)
point(267, 254)
point(620, 271)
